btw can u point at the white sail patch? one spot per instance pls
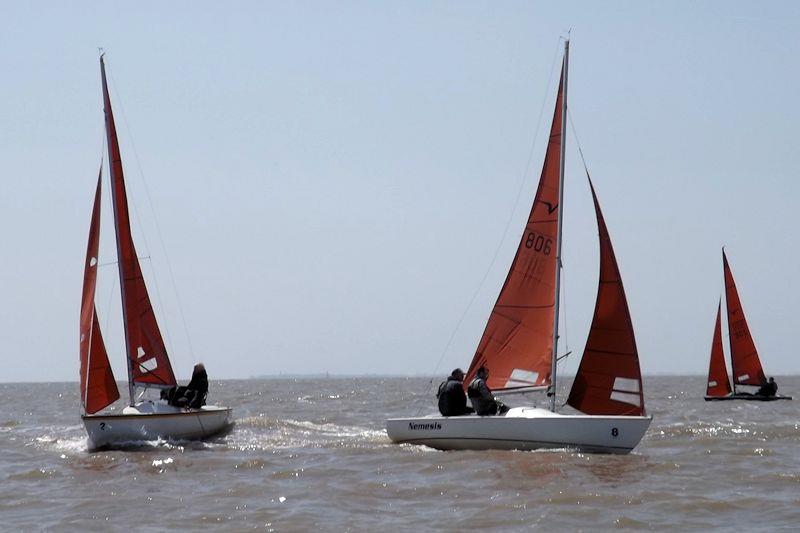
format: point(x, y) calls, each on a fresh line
point(712, 383)
point(626, 385)
point(150, 364)
point(626, 397)
point(521, 378)
point(743, 377)
point(92, 261)
point(626, 390)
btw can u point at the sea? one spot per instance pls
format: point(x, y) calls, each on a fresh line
point(311, 454)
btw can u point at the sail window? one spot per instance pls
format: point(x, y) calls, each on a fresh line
point(626, 397)
point(150, 364)
point(522, 377)
point(712, 383)
point(92, 261)
point(626, 385)
point(743, 377)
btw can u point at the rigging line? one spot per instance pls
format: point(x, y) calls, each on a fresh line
point(107, 310)
point(564, 306)
point(158, 228)
point(110, 201)
point(160, 238)
point(108, 304)
point(508, 222)
point(577, 142)
point(146, 371)
point(109, 263)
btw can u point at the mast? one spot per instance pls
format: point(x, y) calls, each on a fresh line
point(554, 364)
point(111, 165)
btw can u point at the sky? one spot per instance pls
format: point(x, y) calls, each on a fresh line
point(341, 186)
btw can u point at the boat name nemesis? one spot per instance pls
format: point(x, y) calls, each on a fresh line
point(430, 425)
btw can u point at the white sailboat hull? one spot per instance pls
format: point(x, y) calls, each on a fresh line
point(156, 420)
point(522, 428)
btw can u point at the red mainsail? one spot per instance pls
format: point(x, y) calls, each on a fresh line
point(609, 381)
point(718, 384)
point(148, 363)
point(98, 388)
point(745, 364)
point(517, 343)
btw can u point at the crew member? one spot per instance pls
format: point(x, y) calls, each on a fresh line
point(481, 395)
point(452, 400)
point(768, 388)
point(192, 395)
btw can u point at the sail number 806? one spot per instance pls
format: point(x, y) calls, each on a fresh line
point(539, 243)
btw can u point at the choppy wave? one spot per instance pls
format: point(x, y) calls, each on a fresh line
point(302, 460)
point(264, 433)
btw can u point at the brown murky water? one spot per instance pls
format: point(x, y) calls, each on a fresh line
point(312, 454)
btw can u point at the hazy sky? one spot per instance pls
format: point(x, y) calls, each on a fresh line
point(331, 180)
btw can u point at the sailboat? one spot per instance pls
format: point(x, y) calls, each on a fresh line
point(745, 363)
point(519, 344)
point(148, 364)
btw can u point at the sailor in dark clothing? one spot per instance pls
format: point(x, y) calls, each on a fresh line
point(768, 388)
point(452, 400)
point(192, 395)
point(481, 395)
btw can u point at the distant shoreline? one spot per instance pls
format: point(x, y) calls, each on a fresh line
point(324, 375)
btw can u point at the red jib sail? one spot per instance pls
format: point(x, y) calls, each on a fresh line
point(148, 363)
point(718, 384)
point(517, 343)
point(745, 364)
point(98, 388)
point(608, 381)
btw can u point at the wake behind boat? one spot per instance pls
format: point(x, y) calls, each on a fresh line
point(745, 363)
point(148, 364)
point(519, 344)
